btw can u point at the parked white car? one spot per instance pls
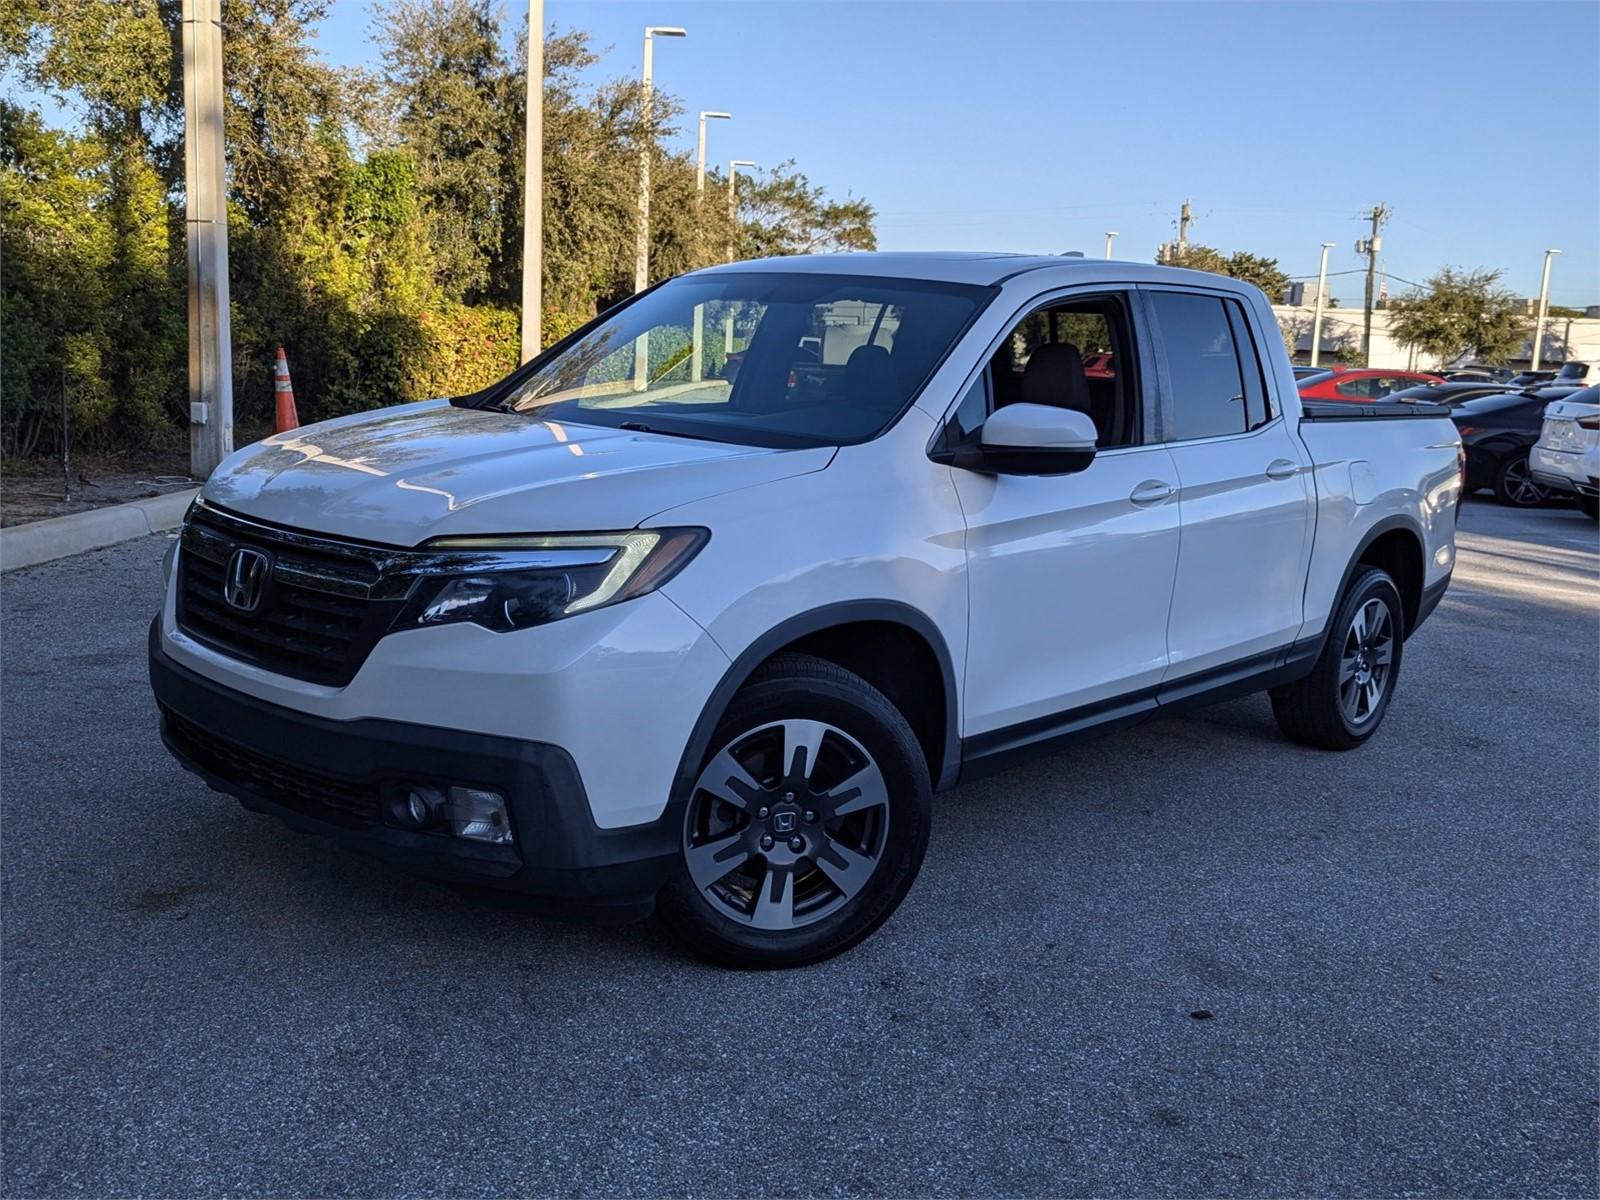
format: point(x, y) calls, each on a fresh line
point(1567, 455)
point(637, 629)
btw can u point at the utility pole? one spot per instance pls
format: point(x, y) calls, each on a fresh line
point(1544, 307)
point(1185, 219)
point(533, 187)
point(206, 202)
point(641, 238)
point(1370, 246)
point(1316, 321)
point(1111, 236)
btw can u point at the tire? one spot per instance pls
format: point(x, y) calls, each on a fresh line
point(1590, 506)
point(1514, 485)
point(1317, 710)
point(808, 822)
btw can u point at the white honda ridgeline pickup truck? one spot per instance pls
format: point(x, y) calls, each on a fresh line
point(695, 611)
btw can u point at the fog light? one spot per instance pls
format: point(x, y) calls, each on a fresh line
point(479, 816)
point(417, 808)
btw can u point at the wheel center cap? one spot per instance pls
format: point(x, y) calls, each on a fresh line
point(785, 819)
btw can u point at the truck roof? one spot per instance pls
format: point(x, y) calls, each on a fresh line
point(978, 267)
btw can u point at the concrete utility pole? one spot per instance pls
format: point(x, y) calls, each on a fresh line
point(533, 188)
point(1185, 219)
point(1111, 236)
point(1316, 321)
point(641, 239)
point(1370, 246)
point(206, 201)
point(1544, 307)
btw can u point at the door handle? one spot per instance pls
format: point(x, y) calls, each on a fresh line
point(1282, 468)
point(1151, 491)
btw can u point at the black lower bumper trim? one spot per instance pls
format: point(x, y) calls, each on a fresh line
point(332, 778)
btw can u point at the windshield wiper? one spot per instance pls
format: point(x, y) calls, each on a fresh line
point(641, 427)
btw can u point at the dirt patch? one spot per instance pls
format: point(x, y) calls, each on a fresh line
point(34, 490)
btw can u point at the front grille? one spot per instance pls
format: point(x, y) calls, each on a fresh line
point(323, 604)
point(340, 800)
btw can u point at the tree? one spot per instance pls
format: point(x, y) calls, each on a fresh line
point(782, 212)
point(1255, 269)
point(1460, 313)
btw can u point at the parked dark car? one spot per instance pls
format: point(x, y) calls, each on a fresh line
point(1497, 432)
point(1301, 374)
point(1524, 379)
point(1449, 393)
point(1500, 375)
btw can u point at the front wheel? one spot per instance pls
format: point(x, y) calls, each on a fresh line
point(1341, 703)
point(1514, 485)
point(808, 822)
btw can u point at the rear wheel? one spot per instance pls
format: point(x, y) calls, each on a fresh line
point(1341, 703)
point(808, 822)
point(1514, 485)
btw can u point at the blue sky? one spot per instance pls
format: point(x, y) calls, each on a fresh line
point(1039, 126)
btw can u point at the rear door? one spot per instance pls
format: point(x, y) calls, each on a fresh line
point(1245, 500)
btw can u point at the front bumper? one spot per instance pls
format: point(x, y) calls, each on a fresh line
point(331, 777)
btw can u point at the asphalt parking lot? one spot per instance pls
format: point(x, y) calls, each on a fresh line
point(1399, 949)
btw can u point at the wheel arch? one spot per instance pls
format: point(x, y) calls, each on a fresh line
point(1395, 545)
point(809, 632)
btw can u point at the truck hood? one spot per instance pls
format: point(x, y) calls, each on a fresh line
point(403, 475)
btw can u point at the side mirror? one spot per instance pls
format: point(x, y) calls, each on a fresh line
point(1037, 439)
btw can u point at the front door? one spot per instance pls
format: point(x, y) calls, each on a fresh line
point(1070, 577)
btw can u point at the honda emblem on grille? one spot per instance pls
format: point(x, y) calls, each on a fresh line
point(245, 581)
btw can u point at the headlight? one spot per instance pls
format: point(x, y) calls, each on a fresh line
point(506, 583)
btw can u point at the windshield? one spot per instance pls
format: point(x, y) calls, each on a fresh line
point(776, 359)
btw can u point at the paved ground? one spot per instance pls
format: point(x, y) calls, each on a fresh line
point(1399, 947)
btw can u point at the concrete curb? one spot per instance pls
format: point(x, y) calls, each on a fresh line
point(42, 541)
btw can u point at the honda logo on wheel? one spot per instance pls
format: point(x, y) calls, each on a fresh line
point(244, 583)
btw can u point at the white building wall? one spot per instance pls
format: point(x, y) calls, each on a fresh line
point(1565, 337)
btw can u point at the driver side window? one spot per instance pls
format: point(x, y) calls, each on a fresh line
point(1075, 354)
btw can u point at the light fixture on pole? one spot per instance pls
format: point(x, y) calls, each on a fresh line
point(1544, 306)
point(1111, 236)
point(641, 239)
point(1316, 321)
point(533, 186)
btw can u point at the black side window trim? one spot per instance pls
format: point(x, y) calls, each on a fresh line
point(1245, 347)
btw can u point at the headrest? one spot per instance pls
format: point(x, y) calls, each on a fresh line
point(1054, 375)
point(870, 376)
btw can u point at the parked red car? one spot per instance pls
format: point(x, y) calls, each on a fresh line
point(1363, 384)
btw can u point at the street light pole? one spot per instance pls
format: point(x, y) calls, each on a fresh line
point(1544, 306)
point(533, 187)
point(697, 353)
point(205, 188)
point(700, 151)
point(733, 226)
point(733, 200)
point(641, 238)
point(1316, 321)
point(1111, 236)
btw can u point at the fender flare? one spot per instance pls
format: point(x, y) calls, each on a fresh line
point(847, 612)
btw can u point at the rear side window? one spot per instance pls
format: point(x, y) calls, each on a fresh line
point(1210, 395)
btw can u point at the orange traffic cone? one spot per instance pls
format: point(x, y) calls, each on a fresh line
point(287, 418)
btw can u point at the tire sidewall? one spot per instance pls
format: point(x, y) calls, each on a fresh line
point(1372, 584)
point(1502, 490)
point(883, 733)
